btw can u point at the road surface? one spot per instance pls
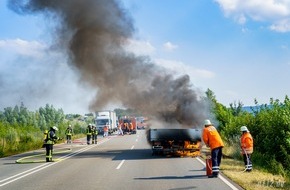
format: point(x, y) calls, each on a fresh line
point(116, 162)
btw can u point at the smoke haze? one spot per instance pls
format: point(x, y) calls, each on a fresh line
point(93, 35)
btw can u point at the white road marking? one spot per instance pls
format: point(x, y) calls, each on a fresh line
point(119, 166)
point(21, 173)
point(221, 177)
point(132, 147)
point(41, 167)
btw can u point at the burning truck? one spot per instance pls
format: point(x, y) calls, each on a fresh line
point(175, 142)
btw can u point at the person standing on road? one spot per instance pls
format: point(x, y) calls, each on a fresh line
point(51, 138)
point(120, 131)
point(247, 146)
point(131, 128)
point(213, 140)
point(94, 135)
point(106, 130)
point(89, 133)
point(69, 134)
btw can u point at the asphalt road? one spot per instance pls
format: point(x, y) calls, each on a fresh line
point(116, 162)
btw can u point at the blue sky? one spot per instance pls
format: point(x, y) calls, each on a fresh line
point(238, 49)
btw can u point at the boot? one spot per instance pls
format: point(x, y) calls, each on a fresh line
point(214, 175)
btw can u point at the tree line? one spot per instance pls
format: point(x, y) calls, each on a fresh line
point(22, 130)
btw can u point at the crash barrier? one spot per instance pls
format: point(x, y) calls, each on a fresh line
point(32, 158)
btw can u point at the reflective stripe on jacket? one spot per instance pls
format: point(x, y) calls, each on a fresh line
point(211, 137)
point(94, 132)
point(51, 137)
point(68, 132)
point(247, 144)
point(89, 131)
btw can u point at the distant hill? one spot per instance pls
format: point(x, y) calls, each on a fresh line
point(250, 109)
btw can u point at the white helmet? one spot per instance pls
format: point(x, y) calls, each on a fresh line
point(244, 128)
point(55, 128)
point(207, 122)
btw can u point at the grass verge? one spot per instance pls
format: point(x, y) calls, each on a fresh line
point(257, 179)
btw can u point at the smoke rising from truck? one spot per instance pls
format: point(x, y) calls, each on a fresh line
point(93, 35)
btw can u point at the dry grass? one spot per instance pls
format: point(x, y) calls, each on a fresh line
point(257, 179)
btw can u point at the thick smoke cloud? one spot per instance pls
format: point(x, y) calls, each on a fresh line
point(93, 34)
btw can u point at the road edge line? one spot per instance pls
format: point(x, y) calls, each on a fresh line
point(221, 177)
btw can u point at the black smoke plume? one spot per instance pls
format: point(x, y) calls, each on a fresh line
point(93, 34)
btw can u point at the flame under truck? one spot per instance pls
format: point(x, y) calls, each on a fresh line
point(175, 142)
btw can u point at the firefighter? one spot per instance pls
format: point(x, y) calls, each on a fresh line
point(89, 133)
point(106, 130)
point(120, 131)
point(127, 127)
point(69, 134)
point(51, 138)
point(94, 135)
point(44, 138)
point(247, 147)
point(131, 127)
point(213, 140)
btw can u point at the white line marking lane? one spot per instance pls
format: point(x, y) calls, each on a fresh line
point(46, 165)
point(221, 177)
point(122, 162)
point(120, 165)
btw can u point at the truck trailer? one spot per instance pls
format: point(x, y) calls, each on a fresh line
point(175, 142)
point(106, 118)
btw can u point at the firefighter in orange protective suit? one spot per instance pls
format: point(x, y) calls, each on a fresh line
point(131, 127)
point(127, 129)
point(213, 140)
point(247, 147)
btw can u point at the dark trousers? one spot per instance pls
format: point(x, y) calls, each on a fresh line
point(89, 139)
point(216, 157)
point(68, 138)
point(94, 139)
point(248, 162)
point(49, 150)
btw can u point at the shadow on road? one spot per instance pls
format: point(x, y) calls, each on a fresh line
point(173, 177)
point(128, 154)
point(184, 188)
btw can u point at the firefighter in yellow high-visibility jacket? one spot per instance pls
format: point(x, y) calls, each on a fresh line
point(89, 133)
point(69, 134)
point(94, 134)
point(51, 138)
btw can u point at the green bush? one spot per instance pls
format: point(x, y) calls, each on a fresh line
point(22, 130)
point(269, 126)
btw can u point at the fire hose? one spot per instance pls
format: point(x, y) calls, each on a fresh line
point(248, 160)
point(28, 159)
